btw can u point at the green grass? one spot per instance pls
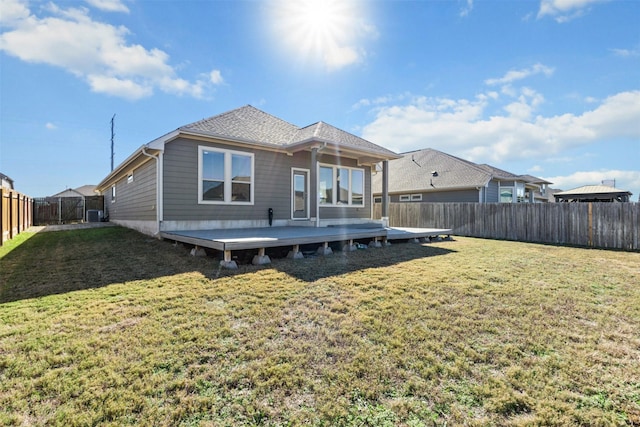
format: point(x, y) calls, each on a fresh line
point(109, 327)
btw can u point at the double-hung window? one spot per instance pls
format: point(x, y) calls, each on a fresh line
point(225, 176)
point(340, 186)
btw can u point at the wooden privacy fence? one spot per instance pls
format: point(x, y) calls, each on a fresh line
point(16, 214)
point(598, 225)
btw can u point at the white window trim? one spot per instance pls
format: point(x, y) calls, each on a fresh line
point(334, 203)
point(130, 178)
point(405, 198)
point(227, 176)
point(113, 193)
point(416, 197)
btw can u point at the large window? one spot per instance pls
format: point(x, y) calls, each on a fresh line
point(513, 193)
point(225, 176)
point(348, 184)
point(326, 185)
point(506, 194)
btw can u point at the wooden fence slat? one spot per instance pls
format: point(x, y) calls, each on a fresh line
point(601, 225)
point(16, 214)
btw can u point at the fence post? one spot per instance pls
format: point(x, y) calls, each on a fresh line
point(2, 214)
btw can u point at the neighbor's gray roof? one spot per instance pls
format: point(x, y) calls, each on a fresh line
point(250, 124)
point(503, 174)
point(414, 172)
point(85, 190)
point(592, 189)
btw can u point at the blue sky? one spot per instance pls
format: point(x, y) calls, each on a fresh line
point(549, 88)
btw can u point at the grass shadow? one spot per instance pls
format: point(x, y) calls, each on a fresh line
point(315, 268)
point(64, 261)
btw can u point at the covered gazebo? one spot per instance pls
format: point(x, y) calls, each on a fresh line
point(593, 193)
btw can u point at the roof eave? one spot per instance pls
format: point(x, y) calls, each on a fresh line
point(371, 156)
point(135, 160)
point(233, 140)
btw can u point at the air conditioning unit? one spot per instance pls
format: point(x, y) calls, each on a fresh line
point(95, 215)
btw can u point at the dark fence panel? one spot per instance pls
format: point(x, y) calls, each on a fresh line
point(64, 210)
point(598, 225)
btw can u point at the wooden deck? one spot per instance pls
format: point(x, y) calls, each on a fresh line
point(258, 238)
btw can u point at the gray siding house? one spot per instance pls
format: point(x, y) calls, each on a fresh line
point(430, 175)
point(233, 169)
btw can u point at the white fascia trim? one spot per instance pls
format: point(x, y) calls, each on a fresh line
point(158, 143)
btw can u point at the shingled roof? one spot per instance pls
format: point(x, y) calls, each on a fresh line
point(431, 169)
point(246, 124)
point(251, 125)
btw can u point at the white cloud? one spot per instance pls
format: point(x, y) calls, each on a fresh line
point(565, 10)
point(123, 88)
point(515, 75)
point(535, 169)
point(215, 77)
point(97, 52)
point(467, 8)
point(626, 53)
point(465, 128)
point(50, 126)
point(624, 180)
point(109, 5)
point(12, 12)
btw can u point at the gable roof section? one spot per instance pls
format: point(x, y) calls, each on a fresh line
point(251, 125)
point(84, 191)
point(414, 172)
point(323, 132)
point(246, 124)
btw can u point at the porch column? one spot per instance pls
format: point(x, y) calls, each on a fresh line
point(313, 178)
point(385, 193)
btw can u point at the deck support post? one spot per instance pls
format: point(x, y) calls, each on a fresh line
point(261, 258)
point(375, 243)
point(227, 262)
point(198, 251)
point(295, 253)
point(349, 247)
point(324, 249)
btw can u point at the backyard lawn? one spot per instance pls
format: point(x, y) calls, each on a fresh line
point(110, 327)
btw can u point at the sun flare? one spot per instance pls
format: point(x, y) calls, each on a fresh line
point(321, 30)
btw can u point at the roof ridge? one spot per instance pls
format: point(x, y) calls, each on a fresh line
point(460, 159)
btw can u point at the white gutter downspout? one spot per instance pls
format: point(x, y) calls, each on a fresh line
point(159, 202)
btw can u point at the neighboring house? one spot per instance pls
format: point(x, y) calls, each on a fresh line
point(593, 193)
point(430, 175)
point(6, 182)
point(233, 169)
point(84, 191)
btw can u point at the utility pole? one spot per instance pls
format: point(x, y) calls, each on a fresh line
point(112, 139)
